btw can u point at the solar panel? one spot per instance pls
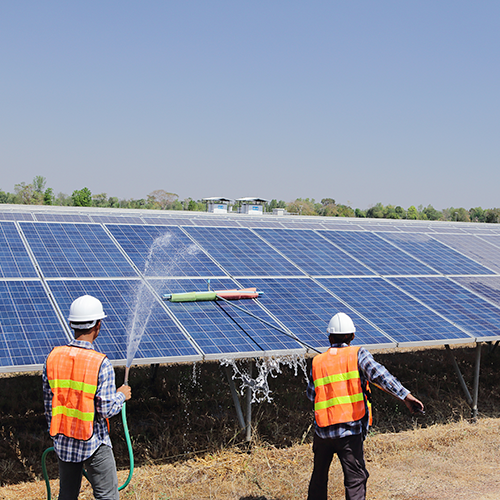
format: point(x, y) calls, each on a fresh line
point(377, 254)
point(14, 258)
point(162, 251)
point(305, 308)
point(216, 221)
point(167, 221)
point(241, 252)
point(452, 301)
point(436, 254)
point(15, 216)
point(29, 326)
point(388, 275)
point(57, 217)
point(312, 253)
point(474, 247)
point(398, 315)
point(75, 250)
point(222, 329)
point(161, 340)
point(109, 219)
point(486, 286)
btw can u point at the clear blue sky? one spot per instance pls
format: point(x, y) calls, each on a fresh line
point(365, 102)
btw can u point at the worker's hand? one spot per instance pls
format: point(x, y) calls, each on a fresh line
point(413, 404)
point(126, 390)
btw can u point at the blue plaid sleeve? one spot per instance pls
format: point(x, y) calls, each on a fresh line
point(108, 402)
point(378, 374)
point(47, 396)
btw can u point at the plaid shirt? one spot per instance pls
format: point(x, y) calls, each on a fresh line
point(108, 402)
point(369, 370)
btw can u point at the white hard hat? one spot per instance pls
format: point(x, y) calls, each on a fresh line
point(341, 324)
point(86, 308)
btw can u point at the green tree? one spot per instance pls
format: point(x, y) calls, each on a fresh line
point(400, 211)
point(113, 202)
point(376, 212)
point(345, 211)
point(432, 213)
point(26, 194)
point(161, 199)
point(476, 214)
point(39, 184)
point(492, 215)
point(412, 213)
point(360, 213)
point(63, 200)
point(301, 207)
point(82, 197)
point(100, 200)
point(48, 197)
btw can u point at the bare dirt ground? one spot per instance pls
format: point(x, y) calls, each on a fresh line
point(456, 461)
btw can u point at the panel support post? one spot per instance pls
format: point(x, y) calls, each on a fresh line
point(476, 381)
point(249, 395)
point(459, 375)
point(471, 400)
point(236, 399)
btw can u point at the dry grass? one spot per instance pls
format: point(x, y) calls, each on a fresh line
point(457, 461)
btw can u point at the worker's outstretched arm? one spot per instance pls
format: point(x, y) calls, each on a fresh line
point(413, 404)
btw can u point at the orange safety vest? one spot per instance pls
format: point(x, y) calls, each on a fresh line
point(339, 395)
point(73, 374)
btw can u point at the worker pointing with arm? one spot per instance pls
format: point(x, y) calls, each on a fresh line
point(339, 389)
point(79, 396)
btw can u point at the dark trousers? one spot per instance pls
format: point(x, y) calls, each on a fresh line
point(101, 470)
point(351, 456)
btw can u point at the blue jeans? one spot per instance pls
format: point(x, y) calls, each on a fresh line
point(101, 470)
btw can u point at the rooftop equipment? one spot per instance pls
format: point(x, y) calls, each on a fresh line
point(252, 206)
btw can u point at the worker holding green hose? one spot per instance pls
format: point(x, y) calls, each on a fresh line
point(79, 395)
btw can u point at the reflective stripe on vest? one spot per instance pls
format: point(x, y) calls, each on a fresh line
point(73, 375)
point(337, 383)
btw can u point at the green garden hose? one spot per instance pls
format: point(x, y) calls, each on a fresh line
point(130, 455)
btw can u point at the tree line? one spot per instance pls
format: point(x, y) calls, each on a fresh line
point(37, 193)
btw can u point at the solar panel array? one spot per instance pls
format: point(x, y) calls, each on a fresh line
point(405, 283)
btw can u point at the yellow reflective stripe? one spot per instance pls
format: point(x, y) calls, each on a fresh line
point(72, 384)
point(340, 400)
point(339, 377)
point(72, 412)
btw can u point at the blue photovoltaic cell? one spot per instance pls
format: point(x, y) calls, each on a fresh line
point(257, 223)
point(487, 287)
point(397, 314)
point(214, 221)
point(108, 219)
point(436, 254)
point(379, 255)
point(162, 338)
point(416, 229)
point(455, 303)
point(14, 259)
point(167, 221)
point(306, 308)
point(163, 251)
point(29, 326)
point(298, 225)
point(15, 216)
point(75, 251)
point(312, 253)
point(221, 328)
point(474, 247)
point(445, 230)
point(56, 217)
point(241, 252)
